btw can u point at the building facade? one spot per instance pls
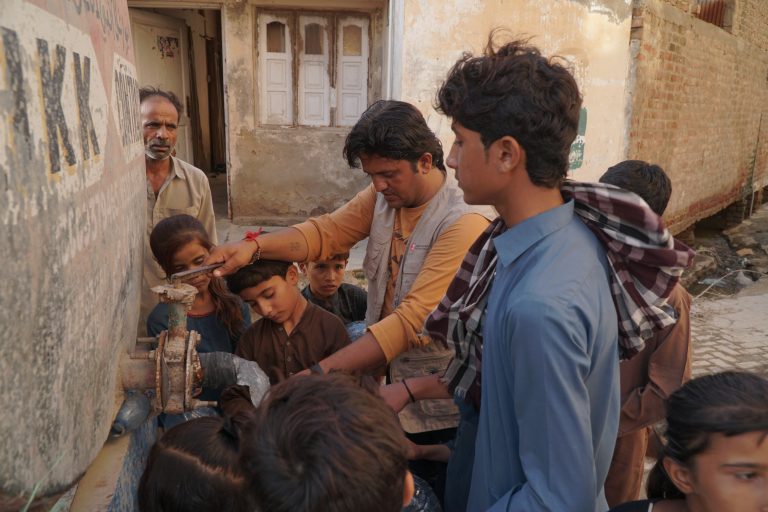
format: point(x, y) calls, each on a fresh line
point(662, 81)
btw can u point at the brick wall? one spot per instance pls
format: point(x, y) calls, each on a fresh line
point(683, 5)
point(751, 22)
point(697, 99)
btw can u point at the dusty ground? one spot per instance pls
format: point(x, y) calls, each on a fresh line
point(729, 323)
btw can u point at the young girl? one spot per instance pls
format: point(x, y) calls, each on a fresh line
point(180, 243)
point(716, 453)
point(194, 467)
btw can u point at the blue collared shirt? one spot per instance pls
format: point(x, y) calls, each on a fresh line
point(550, 369)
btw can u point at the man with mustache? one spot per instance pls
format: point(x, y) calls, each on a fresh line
point(173, 185)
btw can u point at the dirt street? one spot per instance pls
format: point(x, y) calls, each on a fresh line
point(729, 320)
point(731, 332)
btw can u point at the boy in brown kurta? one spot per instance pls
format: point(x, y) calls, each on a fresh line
point(649, 378)
point(293, 334)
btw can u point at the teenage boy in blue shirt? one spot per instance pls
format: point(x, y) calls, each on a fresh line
point(548, 339)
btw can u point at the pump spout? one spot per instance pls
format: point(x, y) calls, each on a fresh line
point(134, 411)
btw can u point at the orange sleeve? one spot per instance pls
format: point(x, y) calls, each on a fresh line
point(399, 331)
point(337, 232)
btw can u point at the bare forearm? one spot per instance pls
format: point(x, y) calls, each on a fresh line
point(364, 354)
point(285, 244)
point(428, 387)
point(399, 394)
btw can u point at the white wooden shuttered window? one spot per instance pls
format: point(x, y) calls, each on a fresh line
point(314, 82)
point(276, 69)
point(352, 70)
point(329, 53)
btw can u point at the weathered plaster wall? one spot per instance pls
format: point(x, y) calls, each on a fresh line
point(71, 217)
point(699, 97)
point(592, 35)
point(306, 164)
point(279, 175)
point(289, 174)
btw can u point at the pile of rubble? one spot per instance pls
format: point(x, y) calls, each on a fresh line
point(729, 260)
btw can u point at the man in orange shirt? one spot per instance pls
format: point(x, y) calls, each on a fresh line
point(418, 228)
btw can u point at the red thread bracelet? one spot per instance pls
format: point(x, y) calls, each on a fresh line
point(252, 237)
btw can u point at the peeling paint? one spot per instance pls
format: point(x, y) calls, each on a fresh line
point(72, 212)
point(590, 36)
point(283, 174)
point(615, 10)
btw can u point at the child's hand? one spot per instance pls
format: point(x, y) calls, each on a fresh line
point(233, 255)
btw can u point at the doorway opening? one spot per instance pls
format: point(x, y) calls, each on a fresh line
point(180, 50)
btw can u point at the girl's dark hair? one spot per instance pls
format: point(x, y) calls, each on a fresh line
point(393, 129)
point(728, 403)
point(173, 233)
point(194, 467)
point(512, 90)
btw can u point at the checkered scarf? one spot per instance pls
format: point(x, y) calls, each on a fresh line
point(645, 261)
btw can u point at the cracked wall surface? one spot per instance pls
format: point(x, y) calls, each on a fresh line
point(72, 209)
point(282, 175)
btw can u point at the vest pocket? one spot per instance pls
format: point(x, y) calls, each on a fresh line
point(372, 260)
point(413, 258)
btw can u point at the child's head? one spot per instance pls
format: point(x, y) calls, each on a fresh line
point(269, 287)
point(181, 243)
point(323, 443)
point(716, 452)
point(325, 276)
point(646, 180)
point(194, 467)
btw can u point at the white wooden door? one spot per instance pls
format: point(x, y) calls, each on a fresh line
point(161, 52)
